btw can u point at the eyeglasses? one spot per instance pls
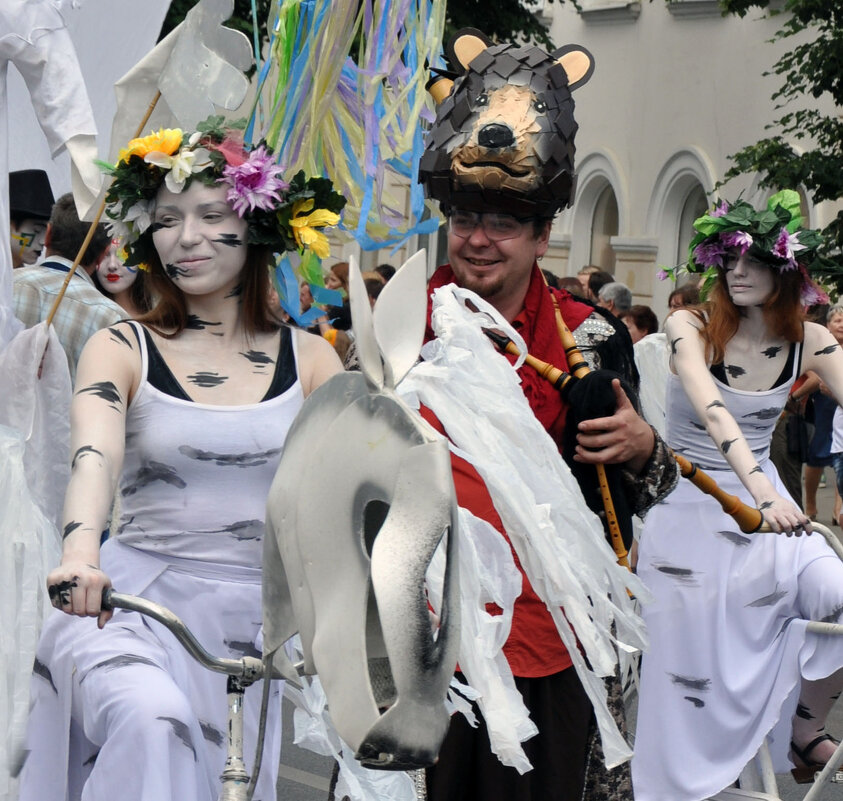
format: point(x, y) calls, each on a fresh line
point(497, 227)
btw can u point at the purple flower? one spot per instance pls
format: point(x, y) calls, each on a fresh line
point(662, 275)
point(785, 248)
point(721, 210)
point(254, 183)
point(737, 239)
point(710, 253)
point(811, 295)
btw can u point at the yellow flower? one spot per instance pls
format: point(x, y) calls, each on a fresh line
point(305, 225)
point(165, 140)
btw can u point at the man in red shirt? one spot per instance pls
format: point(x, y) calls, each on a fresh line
point(497, 232)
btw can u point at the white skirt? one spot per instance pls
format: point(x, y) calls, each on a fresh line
point(125, 712)
point(728, 642)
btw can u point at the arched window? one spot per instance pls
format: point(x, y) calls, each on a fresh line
point(604, 225)
point(695, 205)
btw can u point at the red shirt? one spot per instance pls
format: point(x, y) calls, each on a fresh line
point(534, 647)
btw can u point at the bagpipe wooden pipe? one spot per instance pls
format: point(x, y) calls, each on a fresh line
point(561, 381)
point(748, 518)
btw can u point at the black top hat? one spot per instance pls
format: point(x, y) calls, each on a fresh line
point(30, 194)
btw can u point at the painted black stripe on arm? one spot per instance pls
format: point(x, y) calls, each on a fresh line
point(85, 450)
point(107, 391)
point(118, 336)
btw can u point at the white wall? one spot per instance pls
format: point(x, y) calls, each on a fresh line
point(676, 89)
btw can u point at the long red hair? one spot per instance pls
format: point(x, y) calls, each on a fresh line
point(782, 311)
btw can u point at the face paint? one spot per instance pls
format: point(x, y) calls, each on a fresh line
point(258, 357)
point(199, 237)
point(174, 272)
point(27, 241)
point(114, 276)
point(232, 240)
point(207, 380)
point(60, 593)
point(750, 281)
point(107, 391)
point(197, 324)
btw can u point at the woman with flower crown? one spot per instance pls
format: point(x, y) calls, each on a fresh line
point(185, 412)
point(727, 625)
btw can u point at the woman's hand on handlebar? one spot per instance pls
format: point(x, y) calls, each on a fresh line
point(783, 516)
point(76, 588)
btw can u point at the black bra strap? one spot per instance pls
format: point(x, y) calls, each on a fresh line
point(161, 377)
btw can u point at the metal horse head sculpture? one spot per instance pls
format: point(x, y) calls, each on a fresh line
point(362, 498)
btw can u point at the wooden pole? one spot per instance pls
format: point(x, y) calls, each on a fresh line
point(93, 227)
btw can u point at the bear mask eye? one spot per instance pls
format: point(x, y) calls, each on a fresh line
point(482, 99)
point(540, 106)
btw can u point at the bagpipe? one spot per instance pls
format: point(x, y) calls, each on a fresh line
point(748, 518)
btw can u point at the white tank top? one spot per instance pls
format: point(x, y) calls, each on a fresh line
point(755, 412)
point(196, 477)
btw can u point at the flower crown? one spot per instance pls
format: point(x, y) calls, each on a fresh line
point(283, 216)
point(773, 236)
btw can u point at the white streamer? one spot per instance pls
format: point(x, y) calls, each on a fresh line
point(476, 394)
point(487, 575)
point(314, 730)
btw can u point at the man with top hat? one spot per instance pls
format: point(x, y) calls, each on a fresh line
point(30, 204)
point(499, 159)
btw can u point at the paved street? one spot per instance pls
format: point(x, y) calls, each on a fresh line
point(305, 776)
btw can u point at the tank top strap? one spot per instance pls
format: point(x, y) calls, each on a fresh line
point(139, 335)
point(798, 360)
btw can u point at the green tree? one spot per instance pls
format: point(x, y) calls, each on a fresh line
point(501, 20)
point(811, 70)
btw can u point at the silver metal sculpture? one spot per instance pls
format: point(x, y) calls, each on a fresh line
point(362, 498)
point(208, 56)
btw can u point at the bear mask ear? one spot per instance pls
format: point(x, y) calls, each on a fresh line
point(465, 46)
point(577, 62)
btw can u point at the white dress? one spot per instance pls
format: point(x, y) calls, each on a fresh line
point(125, 712)
point(727, 624)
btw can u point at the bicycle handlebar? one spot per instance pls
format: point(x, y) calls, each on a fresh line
point(248, 668)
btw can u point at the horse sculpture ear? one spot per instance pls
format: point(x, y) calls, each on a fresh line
point(400, 316)
point(364, 330)
point(388, 340)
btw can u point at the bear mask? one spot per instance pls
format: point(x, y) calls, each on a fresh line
point(503, 138)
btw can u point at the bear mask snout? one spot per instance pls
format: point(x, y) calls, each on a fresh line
point(495, 136)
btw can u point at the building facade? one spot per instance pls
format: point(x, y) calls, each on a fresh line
point(677, 88)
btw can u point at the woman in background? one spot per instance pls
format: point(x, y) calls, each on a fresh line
point(727, 624)
point(824, 405)
point(126, 285)
point(641, 321)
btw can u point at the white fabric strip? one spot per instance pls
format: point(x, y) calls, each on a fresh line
point(476, 394)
